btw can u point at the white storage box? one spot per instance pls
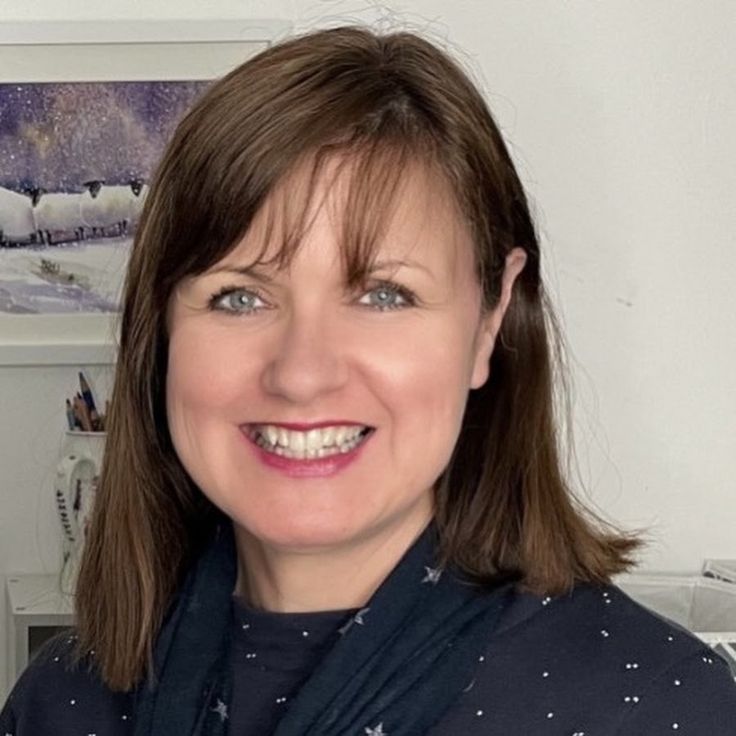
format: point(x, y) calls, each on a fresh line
point(721, 570)
point(704, 605)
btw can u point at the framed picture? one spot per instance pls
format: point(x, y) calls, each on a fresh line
point(85, 111)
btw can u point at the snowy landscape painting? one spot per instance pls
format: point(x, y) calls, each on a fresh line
point(75, 162)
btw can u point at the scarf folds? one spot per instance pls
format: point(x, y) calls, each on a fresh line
point(399, 663)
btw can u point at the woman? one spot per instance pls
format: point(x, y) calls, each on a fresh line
point(332, 501)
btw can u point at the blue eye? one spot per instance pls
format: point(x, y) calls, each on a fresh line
point(389, 296)
point(235, 301)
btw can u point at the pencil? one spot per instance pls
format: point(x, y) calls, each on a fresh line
point(87, 393)
point(82, 412)
point(69, 414)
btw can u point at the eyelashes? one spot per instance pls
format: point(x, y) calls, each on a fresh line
point(237, 300)
point(234, 300)
point(392, 291)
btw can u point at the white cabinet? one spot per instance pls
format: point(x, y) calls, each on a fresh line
point(36, 610)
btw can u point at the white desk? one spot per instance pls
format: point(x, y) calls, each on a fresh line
point(37, 609)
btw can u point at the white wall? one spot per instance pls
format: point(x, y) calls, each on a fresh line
point(620, 116)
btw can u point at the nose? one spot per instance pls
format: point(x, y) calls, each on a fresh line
point(307, 360)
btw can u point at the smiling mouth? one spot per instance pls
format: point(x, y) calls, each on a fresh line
point(312, 445)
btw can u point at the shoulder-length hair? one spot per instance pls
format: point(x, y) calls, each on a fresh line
point(503, 505)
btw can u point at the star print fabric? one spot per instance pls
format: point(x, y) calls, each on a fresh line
point(591, 663)
point(273, 655)
point(53, 699)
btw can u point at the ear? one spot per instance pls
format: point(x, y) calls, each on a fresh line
point(490, 323)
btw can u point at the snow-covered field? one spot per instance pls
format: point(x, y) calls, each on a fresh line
point(97, 265)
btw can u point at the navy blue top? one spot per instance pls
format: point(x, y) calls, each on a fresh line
point(591, 663)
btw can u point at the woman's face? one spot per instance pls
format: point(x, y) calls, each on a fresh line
point(251, 354)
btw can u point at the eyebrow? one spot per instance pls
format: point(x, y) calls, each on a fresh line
point(379, 265)
point(254, 272)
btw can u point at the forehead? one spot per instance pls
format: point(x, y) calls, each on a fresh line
point(366, 209)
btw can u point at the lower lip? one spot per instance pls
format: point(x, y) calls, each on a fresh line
point(318, 467)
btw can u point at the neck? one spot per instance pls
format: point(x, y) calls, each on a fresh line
point(325, 579)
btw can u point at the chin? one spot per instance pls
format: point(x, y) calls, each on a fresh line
point(301, 534)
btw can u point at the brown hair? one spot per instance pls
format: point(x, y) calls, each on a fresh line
point(503, 504)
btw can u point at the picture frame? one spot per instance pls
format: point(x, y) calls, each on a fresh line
point(120, 51)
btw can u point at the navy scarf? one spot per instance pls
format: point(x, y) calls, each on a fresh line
point(400, 662)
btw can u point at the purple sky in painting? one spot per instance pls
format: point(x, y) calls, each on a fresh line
point(58, 135)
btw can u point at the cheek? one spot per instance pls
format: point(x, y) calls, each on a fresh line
point(204, 374)
point(428, 376)
point(204, 400)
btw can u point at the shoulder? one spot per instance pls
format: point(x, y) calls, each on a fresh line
point(601, 623)
point(595, 661)
point(695, 695)
point(54, 695)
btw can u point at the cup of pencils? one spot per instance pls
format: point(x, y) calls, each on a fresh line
point(82, 414)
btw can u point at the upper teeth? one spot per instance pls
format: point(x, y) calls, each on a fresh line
point(314, 439)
